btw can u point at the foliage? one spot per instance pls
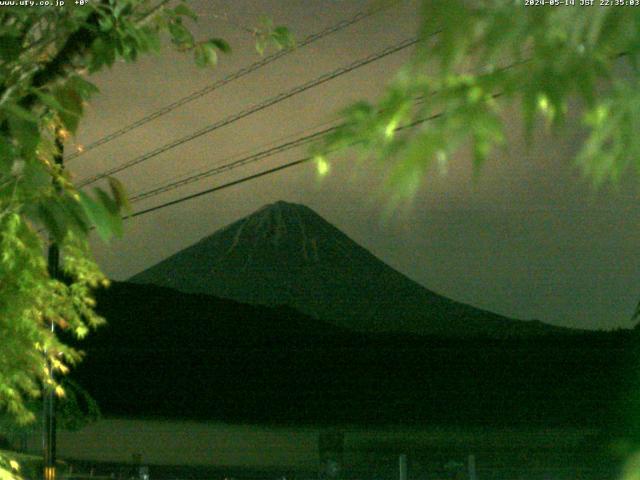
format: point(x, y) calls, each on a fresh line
point(10, 466)
point(20, 466)
point(75, 410)
point(45, 57)
point(475, 58)
point(41, 102)
point(268, 33)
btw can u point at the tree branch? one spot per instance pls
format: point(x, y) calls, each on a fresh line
point(77, 43)
point(149, 15)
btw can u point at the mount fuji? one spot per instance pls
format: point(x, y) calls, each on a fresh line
point(287, 254)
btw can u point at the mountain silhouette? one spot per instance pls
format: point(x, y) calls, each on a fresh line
point(286, 254)
point(177, 355)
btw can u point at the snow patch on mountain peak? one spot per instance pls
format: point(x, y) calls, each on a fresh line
point(276, 223)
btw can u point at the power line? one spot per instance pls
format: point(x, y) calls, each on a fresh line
point(254, 176)
point(256, 108)
point(254, 157)
point(230, 78)
point(220, 187)
point(263, 154)
point(245, 154)
point(191, 177)
point(232, 165)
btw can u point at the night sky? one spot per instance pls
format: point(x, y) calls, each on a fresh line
point(529, 238)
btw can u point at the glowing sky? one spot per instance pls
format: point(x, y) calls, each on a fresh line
point(529, 238)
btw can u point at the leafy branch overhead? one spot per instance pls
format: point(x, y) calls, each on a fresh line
point(46, 55)
point(269, 34)
point(477, 58)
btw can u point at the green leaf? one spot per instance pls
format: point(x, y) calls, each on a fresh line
point(22, 113)
point(266, 22)
point(10, 47)
point(185, 11)
point(113, 212)
point(85, 88)
point(205, 55)
point(75, 214)
point(359, 111)
point(105, 23)
point(119, 194)
point(220, 44)
point(24, 130)
point(210, 55)
point(98, 214)
point(49, 101)
point(148, 39)
point(60, 213)
point(7, 155)
point(199, 56)
point(106, 201)
point(283, 37)
point(71, 101)
point(123, 8)
point(103, 53)
point(180, 35)
point(261, 44)
point(52, 218)
point(35, 176)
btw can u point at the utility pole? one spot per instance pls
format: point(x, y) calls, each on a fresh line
point(49, 396)
point(403, 467)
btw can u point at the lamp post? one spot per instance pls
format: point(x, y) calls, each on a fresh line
point(49, 397)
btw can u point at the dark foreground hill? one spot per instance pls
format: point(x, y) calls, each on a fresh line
point(166, 353)
point(286, 254)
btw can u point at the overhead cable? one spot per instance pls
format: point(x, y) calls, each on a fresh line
point(254, 157)
point(220, 83)
point(255, 108)
point(232, 165)
point(252, 177)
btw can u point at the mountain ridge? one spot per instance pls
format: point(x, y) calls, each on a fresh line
point(196, 356)
point(287, 254)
